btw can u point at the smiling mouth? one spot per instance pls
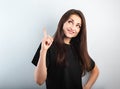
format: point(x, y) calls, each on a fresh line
point(71, 31)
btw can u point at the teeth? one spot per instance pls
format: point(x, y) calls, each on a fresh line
point(72, 31)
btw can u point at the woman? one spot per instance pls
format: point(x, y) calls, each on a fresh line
point(62, 61)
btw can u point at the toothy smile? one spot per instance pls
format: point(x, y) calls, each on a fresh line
point(71, 31)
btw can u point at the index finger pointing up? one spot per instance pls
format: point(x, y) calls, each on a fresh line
point(44, 32)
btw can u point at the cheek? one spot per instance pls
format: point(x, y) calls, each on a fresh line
point(64, 27)
point(77, 31)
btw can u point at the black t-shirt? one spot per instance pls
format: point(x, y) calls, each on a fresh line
point(59, 76)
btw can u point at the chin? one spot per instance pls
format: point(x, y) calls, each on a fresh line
point(70, 36)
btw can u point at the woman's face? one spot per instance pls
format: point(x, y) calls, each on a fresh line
point(72, 26)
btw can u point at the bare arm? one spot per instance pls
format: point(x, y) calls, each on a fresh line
point(92, 78)
point(41, 70)
point(40, 73)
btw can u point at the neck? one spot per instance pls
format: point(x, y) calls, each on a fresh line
point(67, 40)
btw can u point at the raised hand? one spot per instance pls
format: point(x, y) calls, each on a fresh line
point(47, 40)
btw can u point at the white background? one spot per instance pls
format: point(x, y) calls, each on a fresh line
point(21, 24)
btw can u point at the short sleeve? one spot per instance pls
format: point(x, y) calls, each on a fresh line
point(37, 55)
point(92, 64)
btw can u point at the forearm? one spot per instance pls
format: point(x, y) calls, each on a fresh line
point(92, 78)
point(41, 70)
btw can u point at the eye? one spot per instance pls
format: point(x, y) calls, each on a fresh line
point(69, 21)
point(78, 26)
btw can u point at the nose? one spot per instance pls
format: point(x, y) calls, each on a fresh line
point(73, 27)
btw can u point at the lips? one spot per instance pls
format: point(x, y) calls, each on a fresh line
point(71, 31)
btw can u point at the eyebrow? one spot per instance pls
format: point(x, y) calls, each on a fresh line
point(73, 20)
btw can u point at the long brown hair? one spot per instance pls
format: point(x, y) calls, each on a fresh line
point(79, 42)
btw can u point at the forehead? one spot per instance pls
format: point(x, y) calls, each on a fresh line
point(75, 17)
